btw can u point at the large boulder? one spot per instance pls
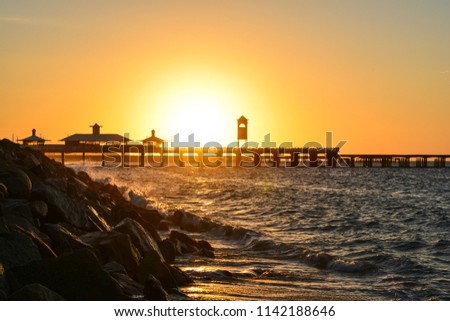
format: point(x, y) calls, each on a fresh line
point(39, 209)
point(153, 290)
point(190, 222)
point(146, 217)
point(139, 236)
point(16, 181)
point(17, 249)
point(152, 264)
point(61, 208)
point(168, 251)
point(76, 276)
point(35, 292)
point(129, 287)
point(114, 246)
point(63, 240)
point(186, 244)
point(18, 216)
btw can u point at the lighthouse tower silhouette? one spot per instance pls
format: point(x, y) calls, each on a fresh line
point(242, 130)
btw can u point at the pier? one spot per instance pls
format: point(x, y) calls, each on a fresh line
point(116, 150)
point(395, 160)
point(144, 155)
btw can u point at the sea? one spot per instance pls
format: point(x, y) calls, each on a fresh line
point(306, 233)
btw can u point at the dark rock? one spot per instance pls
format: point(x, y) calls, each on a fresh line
point(129, 287)
point(76, 276)
point(153, 290)
point(137, 200)
point(44, 249)
point(143, 241)
point(16, 181)
point(35, 292)
point(183, 238)
point(168, 251)
point(59, 183)
point(3, 227)
point(164, 225)
point(18, 216)
point(152, 264)
point(202, 244)
point(191, 222)
point(114, 267)
point(39, 209)
point(84, 177)
point(76, 188)
point(206, 253)
point(63, 208)
point(3, 191)
point(180, 277)
point(62, 240)
point(17, 249)
point(148, 218)
point(187, 244)
point(115, 246)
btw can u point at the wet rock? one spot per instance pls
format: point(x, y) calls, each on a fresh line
point(205, 245)
point(152, 264)
point(17, 182)
point(114, 267)
point(44, 248)
point(148, 218)
point(62, 240)
point(164, 225)
point(17, 249)
point(3, 191)
point(84, 177)
point(115, 246)
point(180, 277)
point(206, 253)
point(137, 200)
point(168, 251)
point(129, 287)
point(185, 242)
point(76, 188)
point(190, 222)
point(140, 238)
point(319, 260)
point(153, 290)
point(18, 216)
point(58, 183)
point(39, 209)
point(35, 292)
point(61, 208)
point(76, 276)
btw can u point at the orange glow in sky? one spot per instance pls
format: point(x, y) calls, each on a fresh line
point(375, 73)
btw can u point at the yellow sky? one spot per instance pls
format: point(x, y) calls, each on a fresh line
point(373, 73)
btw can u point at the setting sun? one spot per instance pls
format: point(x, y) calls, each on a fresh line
point(198, 109)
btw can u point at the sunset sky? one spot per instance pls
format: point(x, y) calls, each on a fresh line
point(375, 73)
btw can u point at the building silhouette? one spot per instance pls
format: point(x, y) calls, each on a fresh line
point(95, 138)
point(154, 141)
point(33, 139)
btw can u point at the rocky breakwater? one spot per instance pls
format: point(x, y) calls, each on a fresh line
point(64, 236)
